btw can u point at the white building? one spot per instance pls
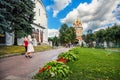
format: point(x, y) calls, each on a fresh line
point(40, 22)
point(40, 31)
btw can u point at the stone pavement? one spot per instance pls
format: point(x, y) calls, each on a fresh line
point(21, 68)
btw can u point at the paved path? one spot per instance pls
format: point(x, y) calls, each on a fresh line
point(112, 50)
point(23, 67)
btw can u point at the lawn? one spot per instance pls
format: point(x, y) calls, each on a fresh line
point(20, 49)
point(95, 64)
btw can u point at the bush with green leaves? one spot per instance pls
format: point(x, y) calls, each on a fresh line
point(69, 56)
point(53, 71)
point(75, 50)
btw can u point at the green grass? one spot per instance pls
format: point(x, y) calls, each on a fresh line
point(4, 50)
point(96, 64)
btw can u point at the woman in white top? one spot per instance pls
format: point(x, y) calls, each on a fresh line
point(30, 48)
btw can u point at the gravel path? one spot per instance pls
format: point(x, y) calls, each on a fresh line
point(19, 66)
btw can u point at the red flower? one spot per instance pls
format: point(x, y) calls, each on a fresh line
point(48, 67)
point(62, 60)
point(41, 70)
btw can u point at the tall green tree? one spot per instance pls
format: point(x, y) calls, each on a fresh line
point(16, 16)
point(116, 34)
point(67, 34)
point(89, 37)
point(5, 15)
point(71, 35)
point(62, 33)
point(100, 36)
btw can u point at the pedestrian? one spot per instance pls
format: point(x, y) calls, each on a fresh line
point(69, 44)
point(30, 48)
point(25, 44)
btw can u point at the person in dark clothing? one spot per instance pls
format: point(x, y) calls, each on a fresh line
point(25, 44)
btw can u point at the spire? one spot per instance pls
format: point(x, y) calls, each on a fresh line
point(77, 23)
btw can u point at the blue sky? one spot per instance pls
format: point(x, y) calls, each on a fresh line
point(54, 22)
point(94, 14)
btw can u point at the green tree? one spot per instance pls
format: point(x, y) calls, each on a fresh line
point(62, 34)
point(73, 35)
point(5, 15)
point(110, 34)
point(54, 40)
point(50, 39)
point(100, 36)
point(89, 37)
point(115, 30)
point(17, 16)
point(109, 37)
point(67, 34)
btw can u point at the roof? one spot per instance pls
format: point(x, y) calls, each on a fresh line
point(39, 26)
point(77, 23)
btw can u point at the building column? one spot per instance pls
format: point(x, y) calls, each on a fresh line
point(39, 36)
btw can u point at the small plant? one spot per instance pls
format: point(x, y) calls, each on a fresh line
point(55, 70)
point(69, 56)
point(75, 50)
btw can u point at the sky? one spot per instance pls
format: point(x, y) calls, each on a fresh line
point(94, 14)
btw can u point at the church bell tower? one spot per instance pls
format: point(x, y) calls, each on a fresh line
point(78, 30)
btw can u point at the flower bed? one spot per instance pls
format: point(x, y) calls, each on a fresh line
point(57, 70)
point(54, 70)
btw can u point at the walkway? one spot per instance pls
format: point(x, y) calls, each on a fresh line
point(23, 67)
point(113, 50)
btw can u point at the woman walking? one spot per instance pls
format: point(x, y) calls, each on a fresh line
point(30, 48)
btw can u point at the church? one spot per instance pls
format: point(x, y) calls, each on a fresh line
point(78, 30)
point(40, 30)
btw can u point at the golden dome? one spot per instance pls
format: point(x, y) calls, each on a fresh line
point(77, 22)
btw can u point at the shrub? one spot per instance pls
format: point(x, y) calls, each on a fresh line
point(69, 56)
point(55, 70)
point(75, 50)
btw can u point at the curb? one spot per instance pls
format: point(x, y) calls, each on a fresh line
point(10, 55)
point(16, 54)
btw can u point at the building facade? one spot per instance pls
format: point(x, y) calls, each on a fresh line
point(40, 30)
point(78, 30)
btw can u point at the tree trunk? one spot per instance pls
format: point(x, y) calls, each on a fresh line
point(15, 39)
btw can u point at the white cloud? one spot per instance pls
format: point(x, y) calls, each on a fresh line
point(58, 6)
point(53, 32)
point(48, 8)
point(94, 15)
